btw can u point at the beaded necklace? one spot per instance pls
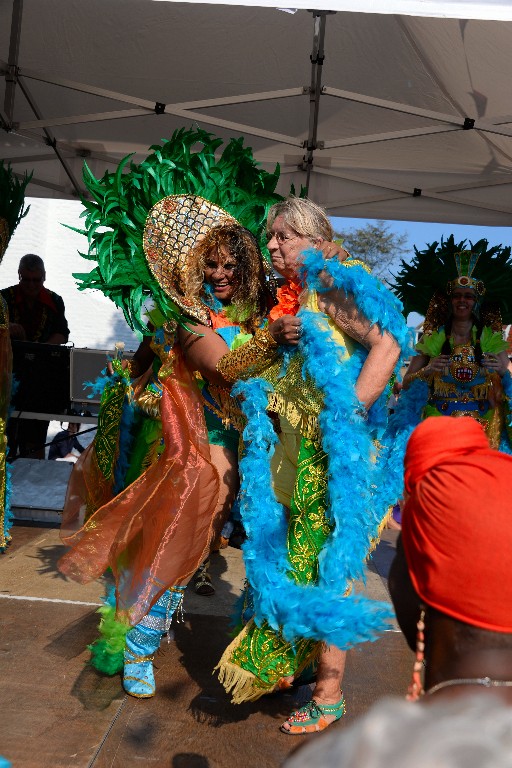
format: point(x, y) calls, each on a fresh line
point(487, 682)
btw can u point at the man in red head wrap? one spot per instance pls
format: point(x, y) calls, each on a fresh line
point(454, 556)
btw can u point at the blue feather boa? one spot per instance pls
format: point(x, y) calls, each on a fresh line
point(323, 611)
point(376, 302)
point(505, 444)
point(8, 514)
point(401, 424)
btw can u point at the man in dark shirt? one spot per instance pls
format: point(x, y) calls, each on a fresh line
point(64, 442)
point(35, 314)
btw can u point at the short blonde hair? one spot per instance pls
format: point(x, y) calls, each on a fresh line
point(304, 216)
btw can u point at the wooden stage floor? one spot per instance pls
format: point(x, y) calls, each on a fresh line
point(58, 712)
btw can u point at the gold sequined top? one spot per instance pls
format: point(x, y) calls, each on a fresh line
point(298, 398)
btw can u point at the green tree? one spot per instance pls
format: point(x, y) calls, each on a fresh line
point(376, 245)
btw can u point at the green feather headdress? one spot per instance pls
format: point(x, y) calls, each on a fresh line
point(12, 204)
point(423, 283)
point(116, 214)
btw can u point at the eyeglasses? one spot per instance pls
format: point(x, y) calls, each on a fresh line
point(281, 237)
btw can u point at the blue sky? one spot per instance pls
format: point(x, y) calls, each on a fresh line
point(420, 233)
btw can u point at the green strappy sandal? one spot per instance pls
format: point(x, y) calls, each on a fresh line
point(312, 717)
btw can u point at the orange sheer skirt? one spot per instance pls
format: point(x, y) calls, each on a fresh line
point(156, 532)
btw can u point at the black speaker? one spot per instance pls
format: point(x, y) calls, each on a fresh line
point(41, 377)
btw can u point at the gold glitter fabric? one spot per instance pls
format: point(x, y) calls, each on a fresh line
point(465, 388)
point(173, 227)
point(294, 396)
point(308, 527)
point(250, 359)
point(259, 658)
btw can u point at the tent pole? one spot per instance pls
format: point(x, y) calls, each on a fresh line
point(315, 91)
point(12, 79)
point(14, 52)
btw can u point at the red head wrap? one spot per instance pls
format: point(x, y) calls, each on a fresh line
point(457, 522)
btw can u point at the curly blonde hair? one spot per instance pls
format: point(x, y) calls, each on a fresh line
point(250, 300)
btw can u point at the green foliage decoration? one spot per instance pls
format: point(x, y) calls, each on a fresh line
point(12, 203)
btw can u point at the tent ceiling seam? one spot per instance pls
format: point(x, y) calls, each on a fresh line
point(393, 106)
point(50, 138)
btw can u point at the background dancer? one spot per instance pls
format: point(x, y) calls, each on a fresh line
point(462, 367)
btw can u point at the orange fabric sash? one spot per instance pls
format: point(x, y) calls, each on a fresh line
point(158, 531)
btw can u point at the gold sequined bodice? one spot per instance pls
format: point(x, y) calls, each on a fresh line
point(297, 397)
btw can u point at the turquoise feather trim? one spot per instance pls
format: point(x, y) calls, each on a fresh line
point(505, 444)
point(407, 416)
point(376, 302)
point(506, 382)
point(322, 612)
point(8, 516)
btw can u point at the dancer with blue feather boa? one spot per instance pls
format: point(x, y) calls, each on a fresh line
point(313, 469)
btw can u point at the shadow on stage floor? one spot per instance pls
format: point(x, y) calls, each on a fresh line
point(57, 711)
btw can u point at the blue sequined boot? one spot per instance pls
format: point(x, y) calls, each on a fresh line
point(142, 642)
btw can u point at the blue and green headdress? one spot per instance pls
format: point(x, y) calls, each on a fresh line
point(424, 285)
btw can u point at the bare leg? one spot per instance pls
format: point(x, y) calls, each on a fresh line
point(225, 462)
point(329, 676)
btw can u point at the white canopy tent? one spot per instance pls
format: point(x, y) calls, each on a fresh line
point(403, 113)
